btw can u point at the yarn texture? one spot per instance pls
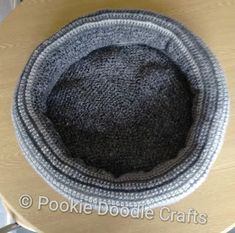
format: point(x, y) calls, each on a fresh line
point(123, 107)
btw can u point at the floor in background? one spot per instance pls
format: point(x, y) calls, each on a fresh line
point(6, 6)
point(4, 221)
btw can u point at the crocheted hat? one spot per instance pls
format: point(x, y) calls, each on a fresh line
point(127, 108)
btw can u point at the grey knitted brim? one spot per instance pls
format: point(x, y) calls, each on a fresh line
point(126, 108)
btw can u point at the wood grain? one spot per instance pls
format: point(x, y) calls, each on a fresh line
point(35, 20)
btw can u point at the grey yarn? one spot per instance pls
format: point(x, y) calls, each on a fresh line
point(123, 107)
point(122, 118)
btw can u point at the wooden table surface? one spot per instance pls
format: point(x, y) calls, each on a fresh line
point(35, 20)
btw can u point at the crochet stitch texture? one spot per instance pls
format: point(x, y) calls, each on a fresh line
point(123, 107)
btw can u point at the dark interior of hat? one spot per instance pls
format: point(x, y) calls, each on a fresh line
point(122, 108)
